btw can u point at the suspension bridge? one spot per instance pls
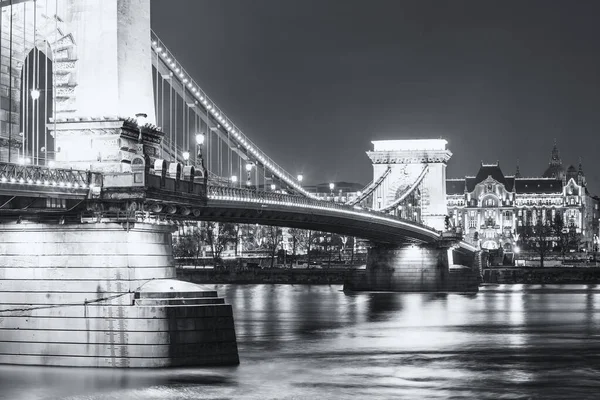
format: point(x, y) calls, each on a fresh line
point(107, 141)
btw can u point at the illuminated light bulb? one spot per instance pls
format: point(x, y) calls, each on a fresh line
point(177, 70)
point(21, 180)
point(46, 183)
point(185, 80)
point(169, 60)
point(159, 49)
point(4, 179)
point(35, 94)
point(30, 181)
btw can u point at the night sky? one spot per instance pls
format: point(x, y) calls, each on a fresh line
point(312, 82)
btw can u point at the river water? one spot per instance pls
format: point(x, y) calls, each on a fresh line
point(315, 342)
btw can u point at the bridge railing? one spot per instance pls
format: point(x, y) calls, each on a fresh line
point(249, 195)
point(41, 175)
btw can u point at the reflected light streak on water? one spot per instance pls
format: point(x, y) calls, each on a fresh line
point(305, 342)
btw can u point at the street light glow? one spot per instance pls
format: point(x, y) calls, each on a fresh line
point(186, 155)
point(331, 186)
point(141, 118)
point(35, 94)
point(234, 178)
point(249, 167)
point(300, 178)
point(273, 186)
point(200, 138)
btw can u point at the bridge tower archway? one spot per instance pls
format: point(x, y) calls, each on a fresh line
point(102, 75)
point(417, 167)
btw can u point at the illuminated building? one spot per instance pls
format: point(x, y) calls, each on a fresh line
point(490, 206)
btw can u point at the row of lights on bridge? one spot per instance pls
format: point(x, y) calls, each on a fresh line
point(219, 116)
point(38, 182)
point(338, 209)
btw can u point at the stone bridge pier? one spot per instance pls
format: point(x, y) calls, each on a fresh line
point(437, 267)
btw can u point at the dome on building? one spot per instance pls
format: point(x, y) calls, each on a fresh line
point(555, 168)
point(571, 173)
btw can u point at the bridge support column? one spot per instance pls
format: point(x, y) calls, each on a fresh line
point(103, 295)
point(413, 268)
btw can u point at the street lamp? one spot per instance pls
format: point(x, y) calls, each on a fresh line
point(233, 179)
point(331, 187)
point(273, 187)
point(141, 121)
point(249, 167)
point(199, 143)
point(35, 94)
point(186, 157)
point(300, 178)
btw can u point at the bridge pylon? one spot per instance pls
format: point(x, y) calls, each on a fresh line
point(415, 188)
point(100, 56)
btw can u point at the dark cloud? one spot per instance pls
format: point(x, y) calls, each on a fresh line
point(312, 82)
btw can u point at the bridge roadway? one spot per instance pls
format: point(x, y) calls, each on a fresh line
point(24, 191)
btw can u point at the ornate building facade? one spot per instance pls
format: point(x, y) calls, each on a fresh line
point(490, 207)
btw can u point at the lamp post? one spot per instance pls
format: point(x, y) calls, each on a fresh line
point(249, 167)
point(141, 121)
point(199, 143)
point(35, 94)
point(234, 179)
point(331, 187)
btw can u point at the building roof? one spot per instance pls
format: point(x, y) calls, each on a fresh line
point(455, 186)
point(492, 170)
point(538, 185)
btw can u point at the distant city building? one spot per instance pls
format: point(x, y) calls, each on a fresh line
point(491, 206)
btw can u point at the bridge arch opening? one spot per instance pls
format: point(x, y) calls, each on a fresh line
point(37, 54)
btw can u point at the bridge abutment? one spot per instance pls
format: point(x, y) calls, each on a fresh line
point(414, 268)
point(104, 295)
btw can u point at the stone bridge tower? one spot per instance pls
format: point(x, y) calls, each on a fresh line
point(412, 165)
point(102, 74)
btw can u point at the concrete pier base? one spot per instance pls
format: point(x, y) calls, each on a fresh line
point(102, 295)
point(413, 268)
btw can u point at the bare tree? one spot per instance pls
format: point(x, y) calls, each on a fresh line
point(566, 236)
point(273, 238)
point(539, 237)
point(299, 240)
point(218, 236)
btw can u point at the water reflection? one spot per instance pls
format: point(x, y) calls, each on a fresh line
point(520, 341)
